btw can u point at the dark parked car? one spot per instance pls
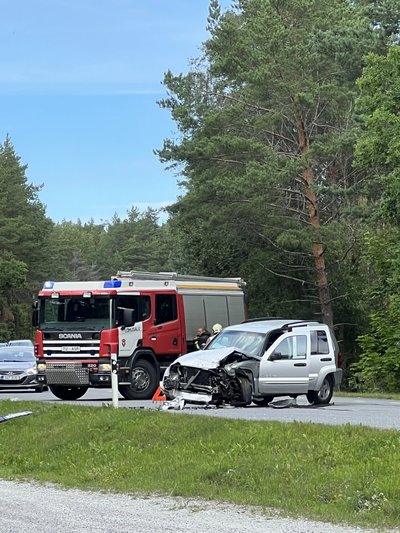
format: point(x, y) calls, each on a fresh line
point(18, 368)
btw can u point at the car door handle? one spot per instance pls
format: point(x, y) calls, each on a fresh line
point(326, 359)
point(300, 364)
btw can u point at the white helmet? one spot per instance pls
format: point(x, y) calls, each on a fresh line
point(217, 328)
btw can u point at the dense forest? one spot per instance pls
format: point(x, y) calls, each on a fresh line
point(287, 150)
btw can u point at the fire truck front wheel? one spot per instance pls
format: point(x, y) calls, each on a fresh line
point(67, 393)
point(144, 382)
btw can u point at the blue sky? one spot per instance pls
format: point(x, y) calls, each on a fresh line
point(79, 82)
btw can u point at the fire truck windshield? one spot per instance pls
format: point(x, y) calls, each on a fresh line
point(69, 313)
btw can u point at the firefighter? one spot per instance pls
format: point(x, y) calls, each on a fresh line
point(216, 329)
point(201, 338)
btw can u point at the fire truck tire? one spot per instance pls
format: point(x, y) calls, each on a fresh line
point(144, 382)
point(67, 393)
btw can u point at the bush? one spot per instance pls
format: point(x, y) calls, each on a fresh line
point(378, 369)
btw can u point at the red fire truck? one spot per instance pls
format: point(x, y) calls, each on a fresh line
point(146, 319)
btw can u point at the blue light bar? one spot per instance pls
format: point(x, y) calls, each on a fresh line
point(112, 284)
point(48, 285)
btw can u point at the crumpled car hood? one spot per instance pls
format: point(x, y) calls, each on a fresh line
point(207, 359)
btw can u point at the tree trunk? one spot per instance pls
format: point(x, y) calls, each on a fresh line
point(317, 247)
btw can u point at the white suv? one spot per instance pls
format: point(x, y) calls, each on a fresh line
point(257, 361)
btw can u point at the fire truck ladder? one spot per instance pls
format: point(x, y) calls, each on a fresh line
point(137, 274)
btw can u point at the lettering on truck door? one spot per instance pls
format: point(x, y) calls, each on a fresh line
point(128, 339)
point(131, 337)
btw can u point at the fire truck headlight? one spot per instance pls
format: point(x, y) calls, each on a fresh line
point(41, 367)
point(31, 371)
point(105, 367)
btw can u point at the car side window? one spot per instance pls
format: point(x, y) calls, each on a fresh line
point(292, 347)
point(319, 342)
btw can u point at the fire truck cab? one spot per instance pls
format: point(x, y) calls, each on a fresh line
point(147, 319)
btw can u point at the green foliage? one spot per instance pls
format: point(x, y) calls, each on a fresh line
point(378, 151)
point(346, 473)
point(136, 243)
point(23, 230)
point(378, 103)
point(379, 366)
point(271, 99)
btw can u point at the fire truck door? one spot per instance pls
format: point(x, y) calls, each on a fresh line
point(165, 335)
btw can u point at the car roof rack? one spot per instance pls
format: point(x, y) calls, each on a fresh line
point(260, 319)
point(300, 323)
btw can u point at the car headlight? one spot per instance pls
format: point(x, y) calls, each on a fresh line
point(41, 367)
point(104, 367)
point(31, 371)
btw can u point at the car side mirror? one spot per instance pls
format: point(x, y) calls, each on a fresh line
point(275, 356)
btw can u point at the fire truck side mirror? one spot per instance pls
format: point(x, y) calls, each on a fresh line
point(125, 317)
point(35, 314)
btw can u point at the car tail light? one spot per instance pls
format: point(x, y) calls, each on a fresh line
point(340, 359)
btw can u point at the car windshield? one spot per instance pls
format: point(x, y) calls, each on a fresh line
point(16, 355)
point(21, 343)
point(247, 342)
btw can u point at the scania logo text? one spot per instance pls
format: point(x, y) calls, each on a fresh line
point(69, 336)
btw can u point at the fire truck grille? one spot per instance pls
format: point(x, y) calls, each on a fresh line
point(66, 374)
point(71, 348)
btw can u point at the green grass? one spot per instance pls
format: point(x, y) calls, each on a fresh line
point(347, 474)
point(378, 395)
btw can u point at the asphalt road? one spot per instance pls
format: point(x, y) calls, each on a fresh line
point(342, 410)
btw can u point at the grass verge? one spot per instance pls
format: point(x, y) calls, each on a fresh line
point(344, 474)
point(378, 395)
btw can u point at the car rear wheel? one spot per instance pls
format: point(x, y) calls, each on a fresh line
point(263, 401)
point(324, 395)
point(68, 393)
point(144, 382)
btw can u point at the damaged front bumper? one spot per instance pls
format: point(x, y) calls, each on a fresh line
point(191, 397)
point(200, 380)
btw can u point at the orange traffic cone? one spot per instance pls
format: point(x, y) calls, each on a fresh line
point(159, 396)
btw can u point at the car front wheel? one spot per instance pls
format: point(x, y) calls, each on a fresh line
point(245, 393)
point(324, 395)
